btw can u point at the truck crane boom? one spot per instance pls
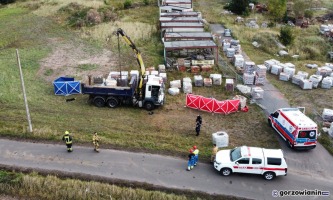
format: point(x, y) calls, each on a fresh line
point(128, 40)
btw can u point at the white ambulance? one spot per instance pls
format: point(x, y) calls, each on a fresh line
point(251, 160)
point(298, 130)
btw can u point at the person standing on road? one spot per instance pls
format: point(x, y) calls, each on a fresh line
point(95, 142)
point(196, 155)
point(198, 125)
point(214, 151)
point(190, 160)
point(68, 140)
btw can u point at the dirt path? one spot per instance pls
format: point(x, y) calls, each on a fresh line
point(76, 60)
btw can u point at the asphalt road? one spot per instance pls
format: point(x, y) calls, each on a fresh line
point(163, 171)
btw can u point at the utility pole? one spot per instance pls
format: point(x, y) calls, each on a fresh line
point(23, 89)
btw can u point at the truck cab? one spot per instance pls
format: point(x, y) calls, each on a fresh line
point(154, 93)
point(251, 160)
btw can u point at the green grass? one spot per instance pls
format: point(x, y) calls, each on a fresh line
point(35, 186)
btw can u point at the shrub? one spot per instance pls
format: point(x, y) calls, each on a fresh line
point(109, 15)
point(286, 35)
point(308, 14)
point(146, 2)
point(94, 17)
point(267, 42)
point(311, 52)
point(127, 4)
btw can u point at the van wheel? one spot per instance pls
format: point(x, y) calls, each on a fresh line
point(112, 102)
point(270, 123)
point(290, 144)
point(149, 106)
point(269, 175)
point(99, 101)
point(225, 171)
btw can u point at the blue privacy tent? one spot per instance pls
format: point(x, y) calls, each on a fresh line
point(66, 86)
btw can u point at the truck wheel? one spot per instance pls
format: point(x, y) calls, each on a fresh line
point(99, 101)
point(269, 175)
point(225, 171)
point(149, 106)
point(112, 102)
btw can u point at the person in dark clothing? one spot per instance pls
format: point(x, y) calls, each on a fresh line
point(190, 163)
point(199, 119)
point(67, 138)
point(197, 128)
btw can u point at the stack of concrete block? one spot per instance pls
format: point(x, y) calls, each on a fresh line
point(249, 67)
point(305, 84)
point(327, 115)
point(164, 77)
point(198, 81)
point(173, 91)
point(208, 82)
point(239, 61)
point(206, 68)
point(217, 79)
point(226, 45)
point(260, 74)
point(290, 65)
point(248, 78)
point(154, 72)
point(276, 69)
point(296, 79)
point(284, 76)
point(270, 63)
point(290, 71)
point(229, 84)
point(315, 79)
point(161, 68)
point(257, 93)
point(195, 69)
point(303, 74)
point(187, 85)
point(230, 52)
point(175, 84)
point(326, 83)
point(330, 65)
point(324, 71)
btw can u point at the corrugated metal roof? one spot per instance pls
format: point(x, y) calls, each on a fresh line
point(181, 24)
point(189, 44)
point(179, 14)
point(188, 35)
point(173, 8)
point(180, 19)
point(178, 1)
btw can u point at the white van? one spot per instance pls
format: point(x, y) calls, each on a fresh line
point(252, 160)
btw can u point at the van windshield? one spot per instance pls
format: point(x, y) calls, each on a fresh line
point(235, 154)
point(307, 134)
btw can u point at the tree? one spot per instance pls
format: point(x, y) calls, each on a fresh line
point(277, 9)
point(286, 36)
point(239, 7)
point(300, 6)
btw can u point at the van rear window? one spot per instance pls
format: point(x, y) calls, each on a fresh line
point(274, 161)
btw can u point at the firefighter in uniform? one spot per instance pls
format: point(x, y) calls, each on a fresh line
point(196, 153)
point(68, 140)
point(95, 142)
point(190, 162)
point(214, 151)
